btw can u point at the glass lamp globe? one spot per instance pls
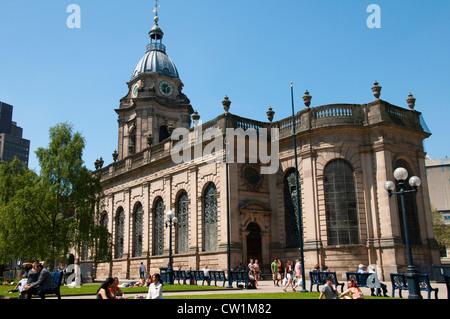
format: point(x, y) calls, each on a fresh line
point(401, 174)
point(389, 186)
point(175, 220)
point(170, 215)
point(415, 181)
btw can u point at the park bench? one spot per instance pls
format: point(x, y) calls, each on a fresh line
point(424, 283)
point(447, 283)
point(362, 280)
point(400, 283)
point(56, 284)
point(315, 279)
point(319, 278)
point(239, 277)
point(180, 275)
point(324, 275)
point(217, 275)
point(197, 275)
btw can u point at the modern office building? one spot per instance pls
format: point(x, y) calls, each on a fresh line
point(438, 176)
point(12, 144)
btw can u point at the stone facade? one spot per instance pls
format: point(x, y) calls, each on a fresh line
point(371, 138)
point(346, 152)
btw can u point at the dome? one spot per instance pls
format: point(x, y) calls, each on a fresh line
point(155, 61)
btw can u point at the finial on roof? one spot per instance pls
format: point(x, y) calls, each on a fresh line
point(155, 11)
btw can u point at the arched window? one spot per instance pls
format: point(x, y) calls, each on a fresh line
point(340, 203)
point(138, 220)
point(158, 227)
point(182, 234)
point(163, 133)
point(291, 216)
point(210, 218)
point(104, 220)
point(412, 217)
point(103, 238)
point(120, 233)
point(132, 146)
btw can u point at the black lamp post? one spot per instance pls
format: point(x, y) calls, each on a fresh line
point(226, 106)
point(169, 221)
point(299, 212)
point(401, 174)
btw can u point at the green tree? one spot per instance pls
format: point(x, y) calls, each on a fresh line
point(441, 229)
point(20, 222)
point(47, 215)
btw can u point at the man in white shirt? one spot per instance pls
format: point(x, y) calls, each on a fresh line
point(206, 274)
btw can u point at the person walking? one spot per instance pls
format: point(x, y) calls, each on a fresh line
point(298, 274)
point(275, 274)
point(141, 271)
point(289, 275)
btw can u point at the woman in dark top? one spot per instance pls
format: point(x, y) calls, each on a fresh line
point(104, 292)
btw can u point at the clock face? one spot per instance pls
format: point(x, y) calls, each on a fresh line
point(135, 91)
point(165, 88)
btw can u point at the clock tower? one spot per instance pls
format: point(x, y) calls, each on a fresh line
point(155, 104)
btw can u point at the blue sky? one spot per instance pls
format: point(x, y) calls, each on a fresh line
point(249, 50)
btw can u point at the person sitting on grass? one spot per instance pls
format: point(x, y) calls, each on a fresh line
point(104, 291)
point(155, 288)
point(353, 291)
point(116, 291)
point(20, 287)
point(328, 290)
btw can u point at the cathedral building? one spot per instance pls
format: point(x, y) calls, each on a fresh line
point(345, 154)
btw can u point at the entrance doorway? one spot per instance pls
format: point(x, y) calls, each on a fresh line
point(254, 250)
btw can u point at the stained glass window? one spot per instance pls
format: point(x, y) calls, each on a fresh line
point(120, 223)
point(210, 218)
point(182, 226)
point(138, 220)
point(340, 203)
point(158, 228)
point(291, 217)
point(104, 221)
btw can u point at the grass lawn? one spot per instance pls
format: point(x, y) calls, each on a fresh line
point(92, 289)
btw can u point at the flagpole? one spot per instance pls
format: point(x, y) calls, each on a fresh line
point(297, 186)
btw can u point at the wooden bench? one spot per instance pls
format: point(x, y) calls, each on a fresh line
point(239, 277)
point(362, 279)
point(217, 275)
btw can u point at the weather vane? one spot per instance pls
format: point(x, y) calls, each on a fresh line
point(155, 11)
